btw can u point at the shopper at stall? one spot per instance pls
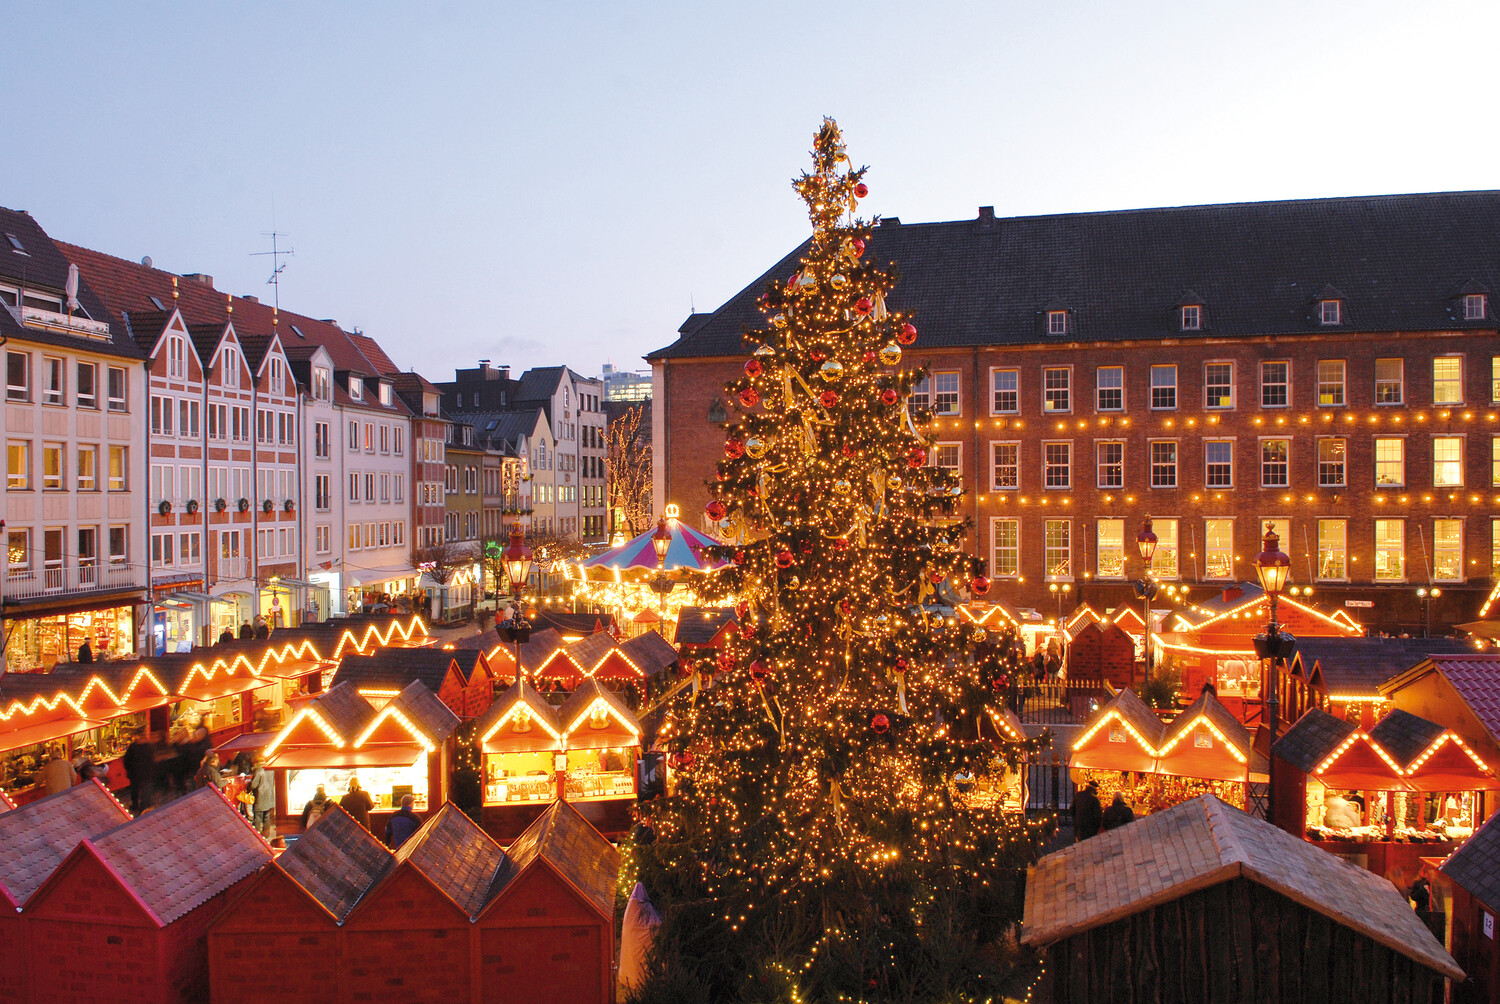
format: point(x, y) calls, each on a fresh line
point(358, 803)
point(85, 652)
point(263, 809)
point(139, 762)
point(1118, 813)
point(247, 632)
point(403, 823)
point(316, 808)
point(57, 774)
point(208, 772)
point(1421, 895)
point(1088, 814)
point(262, 630)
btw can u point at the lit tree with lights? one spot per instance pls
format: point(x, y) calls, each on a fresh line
point(834, 833)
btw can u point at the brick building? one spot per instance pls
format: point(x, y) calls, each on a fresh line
point(1331, 365)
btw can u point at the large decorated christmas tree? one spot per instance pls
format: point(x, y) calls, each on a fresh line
point(835, 832)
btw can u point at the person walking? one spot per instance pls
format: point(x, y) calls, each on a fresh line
point(403, 823)
point(85, 652)
point(139, 762)
point(1088, 814)
point(263, 809)
point(357, 803)
point(1118, 813)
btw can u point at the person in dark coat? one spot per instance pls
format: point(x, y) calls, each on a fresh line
point(403, 823)
point(1421, 895)
point(208, 772)
point(318, 807)
point(357, 803)
point(139, 762)
point(85, 652)
point(262, 629)
point(1088, 814)
point(1118, 813)
point(247, 633)
point(226, 637)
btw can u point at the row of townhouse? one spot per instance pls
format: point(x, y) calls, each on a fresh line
point(180, 460)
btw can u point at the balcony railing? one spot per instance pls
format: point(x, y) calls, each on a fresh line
point(84, 577)
point(233, 568)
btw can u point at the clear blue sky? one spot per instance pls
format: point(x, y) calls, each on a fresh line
point(559, 182)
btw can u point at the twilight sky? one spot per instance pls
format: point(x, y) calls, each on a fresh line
point(562, 182)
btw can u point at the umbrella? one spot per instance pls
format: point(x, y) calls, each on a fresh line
point(636, 558)
point(72, 288)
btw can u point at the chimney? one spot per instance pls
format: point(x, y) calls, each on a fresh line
point(200, 279)
point(1232, 593)
point(250, 299)
point(986, 212)
point(505, 373)
point(890, 221)
point(986, 219)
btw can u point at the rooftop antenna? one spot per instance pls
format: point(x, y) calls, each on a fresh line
point(277, 265)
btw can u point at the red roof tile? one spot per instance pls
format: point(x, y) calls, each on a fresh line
point(36, 837)
point(1477, 680)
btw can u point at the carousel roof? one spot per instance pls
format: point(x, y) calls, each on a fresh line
point(686, 552)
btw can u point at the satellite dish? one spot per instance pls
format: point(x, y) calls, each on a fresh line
point(146, 261)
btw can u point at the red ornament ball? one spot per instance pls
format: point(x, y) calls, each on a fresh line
point(870, 357)
point(749, 397)
point(840, 544)
point(785, 559)
point(907, 334)
point(845, 607)
point(753, 368)
point(685, 761)
point(917, 457)
point(806, 548)
point(901, 663)
point(739, 557)
point(863, 306)
point(979, 585)
point(716, 510)
point(861, 190)
point(889, 395)
point(742, 609)
point(758, 671)
point(880, 724)
point(859, 247)
point(829, 398)
point(937, 577)
point(734, 449)
point(747, 632)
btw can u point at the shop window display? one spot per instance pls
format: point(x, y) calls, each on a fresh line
point(600, 773)
point(519, 777)
point(385, 785)
point(43, 642)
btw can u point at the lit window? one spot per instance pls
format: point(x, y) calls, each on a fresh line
point(1006, 466)
point(1495, 460)
point(1111, 457)
point(1005, 549)
point(1332, 456)
point(1390, 462)
point(1390, 377)
point(52, 467)
point(17, 376)
point(1218, 458)
point(118, 467)
point(1275, 384)
point(18, 469)
point(1447, 461)
point(1448, 550)
point(1164, 563)
point(1111, 391)
point(947, 456)
point(1057, 322)
point(1330, 311)
point(1330, 383)
point(1059, 546)
point(1192, 317)
point(1218, 547)
point(1006, 385)
point(1448, 380)
point(1056, 382)
point(18, 548)
point(88, 468)
point(1333, 549)
point(1474, 306)
point(1274, 466)
point(1111, 549)
point(1495, 548)
point(1163, 465)
point(1218, 385)
point(1163, 388)
point(1495, 378)
point(1058, 465)
point(945, 400)
point(1390, 550)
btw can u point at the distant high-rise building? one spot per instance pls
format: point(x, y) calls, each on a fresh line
point(622, 385)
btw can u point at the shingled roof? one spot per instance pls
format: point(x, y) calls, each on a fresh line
point(1359, 666)
point(650, 652)
point(1476, 679)
point(701, 625)
point(429, 714)
point(457, 857)
point(1208, 706)
point(1202, 843)
point(1405, 736)
point(42, 263)
point(36, 837)
point(396, 667)
point(1476, 864)
point(577, 852)
point(173, 874)
point(1309, 741)
point(1134, 711)
point(1399, 262)
point(337, 861)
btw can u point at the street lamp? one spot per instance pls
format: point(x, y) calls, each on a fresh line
point(1059, 590)
point(1427, 595)
point(1145, 586)
point(1275, 645)
point(517, 561)
point(661, 540)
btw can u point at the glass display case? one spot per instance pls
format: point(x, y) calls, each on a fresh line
point(594, 774)
point(384, 785)
point(511, 778)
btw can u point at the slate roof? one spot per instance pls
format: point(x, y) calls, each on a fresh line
point(1137, 713)
point(1358, 666)
point(589, 690)
point(345, 711)
point(1399, 261)
point(1202, 843)
point(337, 862)
point(44, 264)
point(1209, 707)
point(700, 625)
point(173, 874)
point(396, 667)
point(35, 838)
point(538, 384)
point(651, 652)
point(1475, 865)
point(1405, 736)
point(509, 427)
point(1309, 741)
point(456, 856)
point(574, 623)
point(589, 650)
point(579, 853)
point(1476, 678)
point(429, 714)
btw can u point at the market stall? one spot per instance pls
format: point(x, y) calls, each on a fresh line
point(602, 742)
point(1117, 749)
point(1205, 751)
point(521, 748)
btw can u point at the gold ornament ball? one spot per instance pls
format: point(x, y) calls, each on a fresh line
point(979, 634)
point(894, 481)
point(755, 447)
point(890, 354)
point(806, 280)
point(765, 351)
point(882, 620)
point(831, 370)
point(793, 583)
point(842, 487)
point(779, 320)
point(839, 280)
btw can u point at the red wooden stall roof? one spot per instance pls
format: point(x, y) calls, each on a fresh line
point(337, 862)
point(1143, 735)
point(496, 729)
point(620, 726)
point(35, 838)
point(458, 858)
point(562, 840)
point(1226, 757)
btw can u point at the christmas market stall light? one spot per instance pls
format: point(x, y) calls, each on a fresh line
point(825, 769)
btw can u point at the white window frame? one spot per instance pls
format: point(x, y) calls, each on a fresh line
point(1330, 312)
point(1190, 317)
point(1399, 551)
point(1153, 386)
point(956, 467)
point(1099, 548)
point(1099, 388)
point(1375, 447)
point(1168, 543)
point(1066, 447)
point(996, 570)
point(1048, 550)
point(939, 397)
point(1207, 475)
point(995, 467)
point(1342, 384)
point(995, 391)
point(1286, 461)
point(1209, 551)
point(1386, 382)
point(1176, 463)
point(1343, 481)
point(1233, 396)
point(1458, 383)
point(1099, 463)
point(1286, 384)
point(1067, 390)
point(1437, 570)
point(1476, 306)
point(1057, 322)
point(1343, 549)
point(1460, 447)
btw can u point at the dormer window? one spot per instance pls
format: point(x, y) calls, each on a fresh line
point(1192, 317)
point(1330, 311)
point(385, 394)
point(1057, 322)
point(1475, 305)
point(322, 383)
point(356, 388)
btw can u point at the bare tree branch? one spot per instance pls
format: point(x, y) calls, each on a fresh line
point(628, 459)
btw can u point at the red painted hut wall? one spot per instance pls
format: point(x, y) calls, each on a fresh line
point(1117, 656)
point(1476, 955)
point(15, 988)
point(542, 943)
point(184, 949)
point(1085, 654)
point(90, 941)
point(451, 691)
point(273, 943)
point(403, 920)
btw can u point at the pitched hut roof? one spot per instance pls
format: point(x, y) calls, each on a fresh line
point(456, 856)
point(650, 652)
point(1202, 843)
point(701, 625)
point(578, 852)
point(1208, 708)
point(396, 667)
point(519, 692)
point(36, 837)
point(1476, 864)
point(337, 861)
point(429, 714)
point(1133, 712)
point(1405, 736)
point(1309, 741)
point(591, 690)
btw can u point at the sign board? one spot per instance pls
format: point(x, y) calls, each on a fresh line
point(1489, 926)
point(1365, 604)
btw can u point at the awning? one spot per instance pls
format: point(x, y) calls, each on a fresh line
point(294, 583)
point(45, 732)
point(245, 741)
point(365, 576)
point(231, 596)
point(225, 686)
point(189, 596)
point(294, 670)
point(143, 702)
point(327, 756)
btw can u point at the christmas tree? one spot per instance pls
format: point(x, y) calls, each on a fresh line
point(836, 831)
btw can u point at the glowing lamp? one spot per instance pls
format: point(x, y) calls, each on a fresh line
point(1145, 541)
point(1272, 564)
point(660, 541)
point(517, 560)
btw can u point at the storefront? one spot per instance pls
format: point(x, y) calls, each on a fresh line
point(174, 624)
point(522, 760)
point(602, 743)
point(228, 610)
point(44, 641)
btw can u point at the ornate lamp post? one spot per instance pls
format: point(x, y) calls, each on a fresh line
point(517, 561)
point(1427, 594)
point(661, 540)
point(1275, 645)
point(1145, 586)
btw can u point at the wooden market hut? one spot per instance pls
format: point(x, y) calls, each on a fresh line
point(1202, 902)
point(520, 745)
point(397, 749)
point(1117, 747)
point(124, 918)
point(602, 743)
point(1471, 877)
point(460, 677)
point(556, 901)
point(1458, 691)
point(703, 628)
point(650, 653)
point(543, 657)
point(279, 938)
point(34, 840)
point(1347, 676)
point(1205, 749)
